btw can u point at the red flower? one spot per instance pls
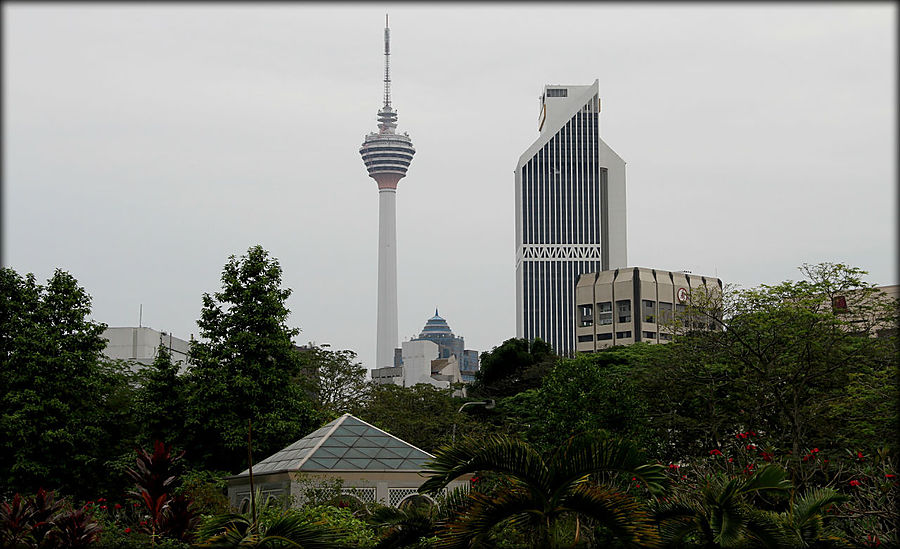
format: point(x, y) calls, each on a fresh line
point(118, 506)
point(889, 475)
point(854, 482)
point(101, 499)
point(715, 452)
point(815, 450)
point(860, 455)
point(751, 447)
point(128, 530)
point(673, 466)
point(143, 523)
point(752, 433)
point(103, 506)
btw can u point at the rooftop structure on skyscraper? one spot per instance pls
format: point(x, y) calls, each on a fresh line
point(387, 156)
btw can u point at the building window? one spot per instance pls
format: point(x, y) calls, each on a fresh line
point(604, 313)
point(623, 308)
point(557, 92)
point(582, 339)
point(648, 335)
point(665, 312)
point(649, 310)
point(603, 337)
point(665, 337)
point(587, 315)
point(623, 335)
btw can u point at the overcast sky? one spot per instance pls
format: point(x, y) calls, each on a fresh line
point(145, 143)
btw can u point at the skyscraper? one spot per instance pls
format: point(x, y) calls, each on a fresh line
point(570, 213)
point(387, 156)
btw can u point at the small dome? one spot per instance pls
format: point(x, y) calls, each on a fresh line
point(436, 326)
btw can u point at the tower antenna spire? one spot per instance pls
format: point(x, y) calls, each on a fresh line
point(387, 64)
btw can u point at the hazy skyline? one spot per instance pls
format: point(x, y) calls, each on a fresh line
point(145, 143)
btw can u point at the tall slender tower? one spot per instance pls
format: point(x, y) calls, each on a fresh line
point(570, 213)
point(387, 155)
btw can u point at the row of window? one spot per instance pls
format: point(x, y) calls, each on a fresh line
point(623, 312)
point(624, 334)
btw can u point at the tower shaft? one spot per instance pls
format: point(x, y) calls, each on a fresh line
point(386, 330)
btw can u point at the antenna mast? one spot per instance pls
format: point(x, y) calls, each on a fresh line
point(387, 64)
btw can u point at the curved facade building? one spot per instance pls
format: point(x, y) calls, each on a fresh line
point(387, 155)
point(570, 213)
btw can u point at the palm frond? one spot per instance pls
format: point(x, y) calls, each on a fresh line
point(767, 478)
point(483, 513)
point(513, 458)
point(593, 452)
point(624, 516)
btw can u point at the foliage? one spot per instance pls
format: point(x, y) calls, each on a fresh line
point(207, 490)
point(64, 412)
point(275, 528)
point(515, 366)
point(244, 368)
point(794, 349)
point(351, 531)
point(586, 393)
point(338, 381)
point(540, 492)
point(168, 514)
point(422, 415)
point(43, 521)
point(160, 400)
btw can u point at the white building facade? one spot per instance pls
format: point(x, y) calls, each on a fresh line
point(141, 344)
point(570, 213)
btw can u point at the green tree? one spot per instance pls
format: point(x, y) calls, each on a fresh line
point(422, 415)
point(160, 401)
point(63, 410)
point(515, 366)
point(243, 368)
point(540, 492)
point(337, 379)
point(795, 351)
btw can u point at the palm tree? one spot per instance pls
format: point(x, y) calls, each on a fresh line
point(542, 493)
point(803, 525)
point(722, 516)
point(284, 531)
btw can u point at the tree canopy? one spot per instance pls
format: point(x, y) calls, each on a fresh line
point(243, 367)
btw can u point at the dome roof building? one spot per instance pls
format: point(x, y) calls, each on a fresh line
point(449, 348)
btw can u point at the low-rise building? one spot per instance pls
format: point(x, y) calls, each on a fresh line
point(141, 344)
point(371, 465)
point(437, 357)
point(624, 306)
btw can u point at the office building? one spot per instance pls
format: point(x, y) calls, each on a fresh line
point(624, 306)
point(140, 345)
point(570, 213)
point(387, 156)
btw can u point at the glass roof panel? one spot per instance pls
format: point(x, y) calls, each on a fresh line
point(352, 444)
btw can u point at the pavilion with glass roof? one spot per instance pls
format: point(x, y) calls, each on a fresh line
point(373, 465)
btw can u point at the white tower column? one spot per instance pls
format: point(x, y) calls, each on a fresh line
point(387, 336)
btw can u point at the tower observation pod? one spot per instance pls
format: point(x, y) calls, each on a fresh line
point(387, 156)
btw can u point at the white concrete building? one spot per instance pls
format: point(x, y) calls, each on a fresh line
point(141, 344)
point(570, 213)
